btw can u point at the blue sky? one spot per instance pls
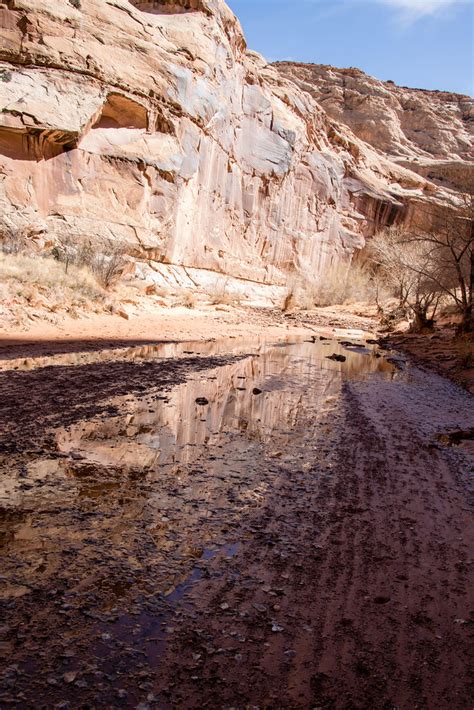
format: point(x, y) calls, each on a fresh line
point(421, 43)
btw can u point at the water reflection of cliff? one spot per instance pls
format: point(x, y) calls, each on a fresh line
point(153, 432)
point(134, 353)
point(165, 479)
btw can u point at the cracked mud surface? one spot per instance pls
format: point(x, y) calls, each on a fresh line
point(309, 546)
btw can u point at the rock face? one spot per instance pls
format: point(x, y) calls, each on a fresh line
point(430, 132)
point(151, 123)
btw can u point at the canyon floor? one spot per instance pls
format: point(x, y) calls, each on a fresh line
point(234, 518)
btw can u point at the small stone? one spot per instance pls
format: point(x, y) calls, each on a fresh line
point(336, 357)
point(70, 677)
point(382, 600)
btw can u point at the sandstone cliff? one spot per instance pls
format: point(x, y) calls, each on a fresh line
point(151, 123)
point(430, 132)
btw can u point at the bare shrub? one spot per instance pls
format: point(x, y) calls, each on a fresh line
point(343, 283)
point(109, 266)
point(424, 266)
point(104, 258)
point(13, 240)
point(451, 245)
point(297, 297)
point(220, 295)
point(400, 264)
point(362, 285)
point(331, 288)
point(186, 300)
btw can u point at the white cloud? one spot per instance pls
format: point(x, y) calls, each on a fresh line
point(415, 9)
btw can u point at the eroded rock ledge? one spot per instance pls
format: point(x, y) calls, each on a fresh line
point(151, 123)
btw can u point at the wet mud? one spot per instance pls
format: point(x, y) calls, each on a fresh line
point(234, 525)
point(442, 351)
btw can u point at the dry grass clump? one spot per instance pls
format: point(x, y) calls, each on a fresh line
point(345, 283)
point(341, 284)
point(298, 297)
point(104, 258)
point(186, 299)
point(222, 297)
point(42, 285)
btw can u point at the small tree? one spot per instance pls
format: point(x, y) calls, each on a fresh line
point(403, 263)
point(438, 262)
point(452, 255)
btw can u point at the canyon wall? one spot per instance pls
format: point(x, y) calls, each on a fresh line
point(429, 132)
point(152, 124)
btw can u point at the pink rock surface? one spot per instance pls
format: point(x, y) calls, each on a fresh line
point(430, 132)
point(151, 123)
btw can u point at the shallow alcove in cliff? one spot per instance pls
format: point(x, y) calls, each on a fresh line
point(34, 144)
point(121, 112)
point(379, 213)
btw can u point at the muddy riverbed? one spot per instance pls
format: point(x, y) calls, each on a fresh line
point(234, 524)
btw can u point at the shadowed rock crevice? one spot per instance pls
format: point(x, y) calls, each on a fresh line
point(167, 7)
